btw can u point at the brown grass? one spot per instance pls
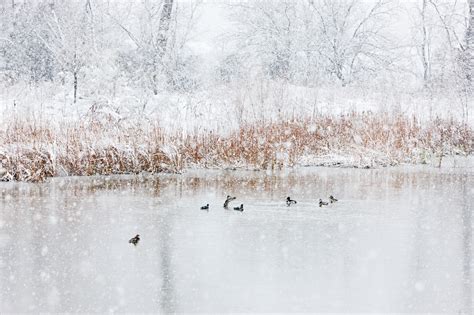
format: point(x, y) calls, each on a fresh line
point(33, 151)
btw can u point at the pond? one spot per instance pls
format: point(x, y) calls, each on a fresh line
point(398, 240)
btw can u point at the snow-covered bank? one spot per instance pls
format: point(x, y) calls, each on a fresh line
point(33, 148)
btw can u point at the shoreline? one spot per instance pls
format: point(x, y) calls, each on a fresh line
point(461, 163)
point(32, 151)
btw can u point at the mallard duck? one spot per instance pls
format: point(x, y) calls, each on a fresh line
point(228, 200)
point(134, 240)
point(206, 207)
point(332, 199)
point(322, 203)
point(241, 208)
point(289, 201)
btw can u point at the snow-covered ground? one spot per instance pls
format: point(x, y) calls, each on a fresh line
point(223, 108)
point(398, 240)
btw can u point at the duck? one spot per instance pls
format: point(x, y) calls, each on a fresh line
point(322, 203)
point(241, 208)
point(206, 207)
point(134, 240)
point(289, 201)
point(332, 199)
point(227, 200)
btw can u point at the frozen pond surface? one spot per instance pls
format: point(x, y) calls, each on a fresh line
point(399, 240)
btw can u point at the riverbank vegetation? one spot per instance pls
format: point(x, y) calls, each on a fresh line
point(33, 150)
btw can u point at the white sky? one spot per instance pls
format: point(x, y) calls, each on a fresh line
point(214, 22)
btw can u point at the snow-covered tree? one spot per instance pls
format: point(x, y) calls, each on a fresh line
point(348, 39)
point(159, 31)
point(353, 37)
point(441, 34)
point(26, 57)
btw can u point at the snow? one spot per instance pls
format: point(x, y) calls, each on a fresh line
point(201, 99)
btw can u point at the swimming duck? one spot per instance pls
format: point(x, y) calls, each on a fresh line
point(228, 199)
point(206, 207)
point(332, 199)
point(322, 203)
point(289, 201)
point(241, 208)
point(134, 240)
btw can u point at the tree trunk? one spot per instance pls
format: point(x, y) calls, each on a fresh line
point(154, 82)
point(469, 51)
point(467, 62)
point(75, 85)
point(14, 14)
point(162, 41)
point(424, 46)
point(165, 20)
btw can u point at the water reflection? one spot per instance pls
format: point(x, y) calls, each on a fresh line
point(467, 223)
point(397, 241)
point(167, 298)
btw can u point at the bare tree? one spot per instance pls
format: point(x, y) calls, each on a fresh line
point(268, 32)
point(65, 35)
point(458, 36)
point(353, 36)
point(347, 38)
point(158, 25)
point(25, 56)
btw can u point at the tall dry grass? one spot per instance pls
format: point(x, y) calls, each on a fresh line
point(33, 150)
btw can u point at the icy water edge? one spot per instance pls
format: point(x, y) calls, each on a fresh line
point(399, 240)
